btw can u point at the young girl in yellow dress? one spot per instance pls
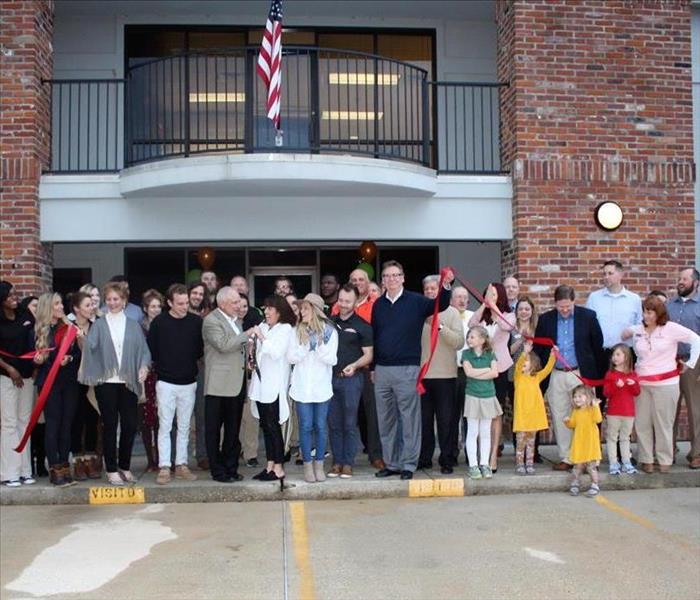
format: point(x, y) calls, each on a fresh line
point(585, 445)
point(529, 413)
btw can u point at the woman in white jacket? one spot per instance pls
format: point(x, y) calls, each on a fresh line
point(313, 352)
point(270, 380)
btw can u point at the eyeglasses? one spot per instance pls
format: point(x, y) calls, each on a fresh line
point(392, 275)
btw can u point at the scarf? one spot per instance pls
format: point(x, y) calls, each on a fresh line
point(100, 359)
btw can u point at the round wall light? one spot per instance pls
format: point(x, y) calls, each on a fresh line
point(608, 216)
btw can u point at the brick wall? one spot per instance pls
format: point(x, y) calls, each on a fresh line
point(599, 108)
point(26, 55)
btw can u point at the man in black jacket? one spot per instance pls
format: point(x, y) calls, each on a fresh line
point(575, 330)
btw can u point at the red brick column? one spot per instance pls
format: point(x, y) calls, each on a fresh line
point(599, 108)
point(26, 29)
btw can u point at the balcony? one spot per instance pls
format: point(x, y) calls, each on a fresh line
point(334, 102)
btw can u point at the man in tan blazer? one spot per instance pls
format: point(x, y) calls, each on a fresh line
point(438, 401)
point(224, 392)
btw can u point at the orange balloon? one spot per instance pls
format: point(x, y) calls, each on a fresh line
point(368, 251)
point(205, 257)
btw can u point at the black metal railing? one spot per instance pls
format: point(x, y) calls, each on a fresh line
point(86, 125)
point(468, 127)
point(333, 101)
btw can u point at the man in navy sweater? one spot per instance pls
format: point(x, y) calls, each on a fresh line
point(397, 323)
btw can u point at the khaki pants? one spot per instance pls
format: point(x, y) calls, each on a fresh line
point(558, 397)
point(690, 390)
point(249, 434)
point(15, 409)
point(618, 428)
point(656, 410)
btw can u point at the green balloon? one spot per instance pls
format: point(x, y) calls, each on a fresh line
point(193, 275)
point(367, 268)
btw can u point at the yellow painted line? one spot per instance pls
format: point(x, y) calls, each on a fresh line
point(302, 555)
point(623, 512)
point(428, 488)
point(646, 523)
point(117, 495)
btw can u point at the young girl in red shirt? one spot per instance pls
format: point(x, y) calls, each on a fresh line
point(620, 387)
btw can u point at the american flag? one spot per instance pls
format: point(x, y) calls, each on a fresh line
point(270, 62)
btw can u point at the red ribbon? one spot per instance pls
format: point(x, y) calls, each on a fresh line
point(434, 333)
point(660, 376)
point(544, 341)
point(64, 338)
point(26, 355)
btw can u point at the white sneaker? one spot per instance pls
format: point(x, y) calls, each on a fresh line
point(27, 480)
point(114, 479)
point(13, 483)
point(127, 476)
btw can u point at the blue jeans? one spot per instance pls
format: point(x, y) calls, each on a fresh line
point(342, 418)
point(312, 420)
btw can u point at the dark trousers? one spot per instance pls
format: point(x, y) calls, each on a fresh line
point(225, 411)
point(342, 418)
point(118, 407)
point(59, 413)
point(437, 404)
point(38, 449)
point(460, 386)
point(84, 431)
point(367, 420)
point(272, 431)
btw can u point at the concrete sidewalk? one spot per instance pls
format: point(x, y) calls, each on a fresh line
point(363, 485)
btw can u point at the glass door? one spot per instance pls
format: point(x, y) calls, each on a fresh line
point(261, 281)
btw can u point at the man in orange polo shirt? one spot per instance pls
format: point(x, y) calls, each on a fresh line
point(360, 280)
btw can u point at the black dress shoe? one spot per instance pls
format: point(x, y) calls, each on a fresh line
point(261, 476)
point(222, 478)
point(446, 470)
point(385, 472)
point(406, 474)
point(235, 477)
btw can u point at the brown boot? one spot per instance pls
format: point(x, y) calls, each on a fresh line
point(66, 474)
point(94, 467)
point(56, 476)
point(80, 466)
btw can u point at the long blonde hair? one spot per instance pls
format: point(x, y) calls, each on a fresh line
point(316, 325)
point(44, 314)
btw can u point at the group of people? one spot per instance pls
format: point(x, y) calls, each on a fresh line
point(343, 366)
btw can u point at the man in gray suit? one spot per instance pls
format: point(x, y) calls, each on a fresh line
point(224, 392)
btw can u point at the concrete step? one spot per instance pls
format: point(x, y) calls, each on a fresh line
point(362, 486)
